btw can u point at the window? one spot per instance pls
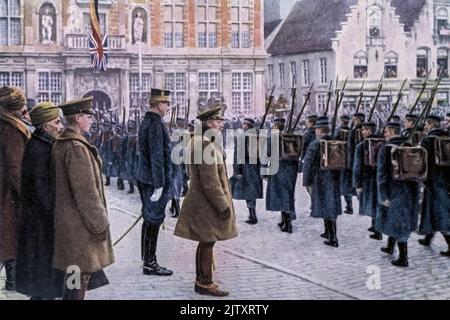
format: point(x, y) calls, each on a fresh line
point(374, 16)
point(50, 87)
point(442, 62)
point(360, 65)
point(294, 74)
point(174, 24)
point(242, 87)
point(207, 25)
point(271, 77)
point(139, 95)
point(422, 63)
point(321, 102)
point(240, 24)
point(390, 65)
point(442, 103)
point(443, 27)
point(306, 79)
point(281, 68)
point(13, 79)
point(87, 23)
point(323, 70)
point(10, 23)
point(176, 83)
point(208, 85)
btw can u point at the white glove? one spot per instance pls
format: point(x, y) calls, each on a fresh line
point(359, 191)
point(156, 195)
point(385, 203)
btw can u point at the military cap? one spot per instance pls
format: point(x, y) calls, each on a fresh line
point(359, 115)
point(345, 117)
point(31, 103)
point(249, 120)
point(312, 117)
point(84, 106)
point(411, 116)
point(369, 124)
point(158, 95)
point(44, 112)
point(12, 98)
point(395, 118)
point(323, 118)
point(394, 125)
point(322, 123)
point(180, 119)
point(279, 120)
point(211, 114)
point(191, 124)
point(434, 117)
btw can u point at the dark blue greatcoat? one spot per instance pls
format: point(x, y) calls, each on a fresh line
point(401, 217)
point(365, 178)
point(178, 177)
point(280, 192)
point(308, 137)
point(352, 146)
point(129, 157)
point(326, 194)
point(35, 275)
point(250, 185)
point(154, 168)
point(436, 204)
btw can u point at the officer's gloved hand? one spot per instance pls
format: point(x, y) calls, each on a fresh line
point(156, 195)
point(309, 189)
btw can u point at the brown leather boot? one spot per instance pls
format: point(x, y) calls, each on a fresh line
point(211, 289)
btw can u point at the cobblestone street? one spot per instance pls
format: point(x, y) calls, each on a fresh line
point(264, 263)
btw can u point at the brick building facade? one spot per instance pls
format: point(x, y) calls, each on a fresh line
point(196, 48)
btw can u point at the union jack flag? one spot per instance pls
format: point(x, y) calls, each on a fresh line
point(98, 43)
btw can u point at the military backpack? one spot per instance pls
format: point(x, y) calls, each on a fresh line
point(409, 163)
point(442, 151)
point(333, 155)
point(371, 148)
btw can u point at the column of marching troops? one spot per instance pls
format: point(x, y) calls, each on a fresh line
point(54, 213)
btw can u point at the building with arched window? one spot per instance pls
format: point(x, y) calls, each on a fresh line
point(363, 40)
point(195, 48)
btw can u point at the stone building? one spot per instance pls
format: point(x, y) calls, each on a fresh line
point(196, 48)
point(362, 40)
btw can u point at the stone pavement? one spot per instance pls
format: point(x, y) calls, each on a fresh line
point(264, 263)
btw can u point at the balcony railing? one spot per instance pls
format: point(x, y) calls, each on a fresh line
point(81, 42)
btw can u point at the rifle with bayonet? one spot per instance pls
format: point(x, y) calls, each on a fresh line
point(424, 86)
point(380, 87)
point(305, 103)
point(291, 114)
point(397, 103)
point(329, 94)
point(339, 98)
point(269, 104)
point(187, 113)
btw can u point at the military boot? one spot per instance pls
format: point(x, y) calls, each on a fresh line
point(108, 181)
point(390, 246)
point(288, 223)
point(326, 234)
point(172, 207)
point(131, 191)
point(446, 253)
point(349, 206)
point(377, 236)
point(426, 242)
point(176, 211)
point(333, 240)
point(402, 261)
point(10, 269)
point(120, 184)
point(151, 266)
point(283, 221)
point(252, 216)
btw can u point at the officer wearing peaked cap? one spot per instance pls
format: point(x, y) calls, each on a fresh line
point(82, 235)
point(154, 177)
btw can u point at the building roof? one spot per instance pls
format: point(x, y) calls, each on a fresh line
point(312, 24)
point(269, 27)
point(408, 10)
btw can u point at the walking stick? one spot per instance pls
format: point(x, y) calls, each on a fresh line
point(128, 231)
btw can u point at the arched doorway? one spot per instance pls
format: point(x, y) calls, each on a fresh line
point(102, 105)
